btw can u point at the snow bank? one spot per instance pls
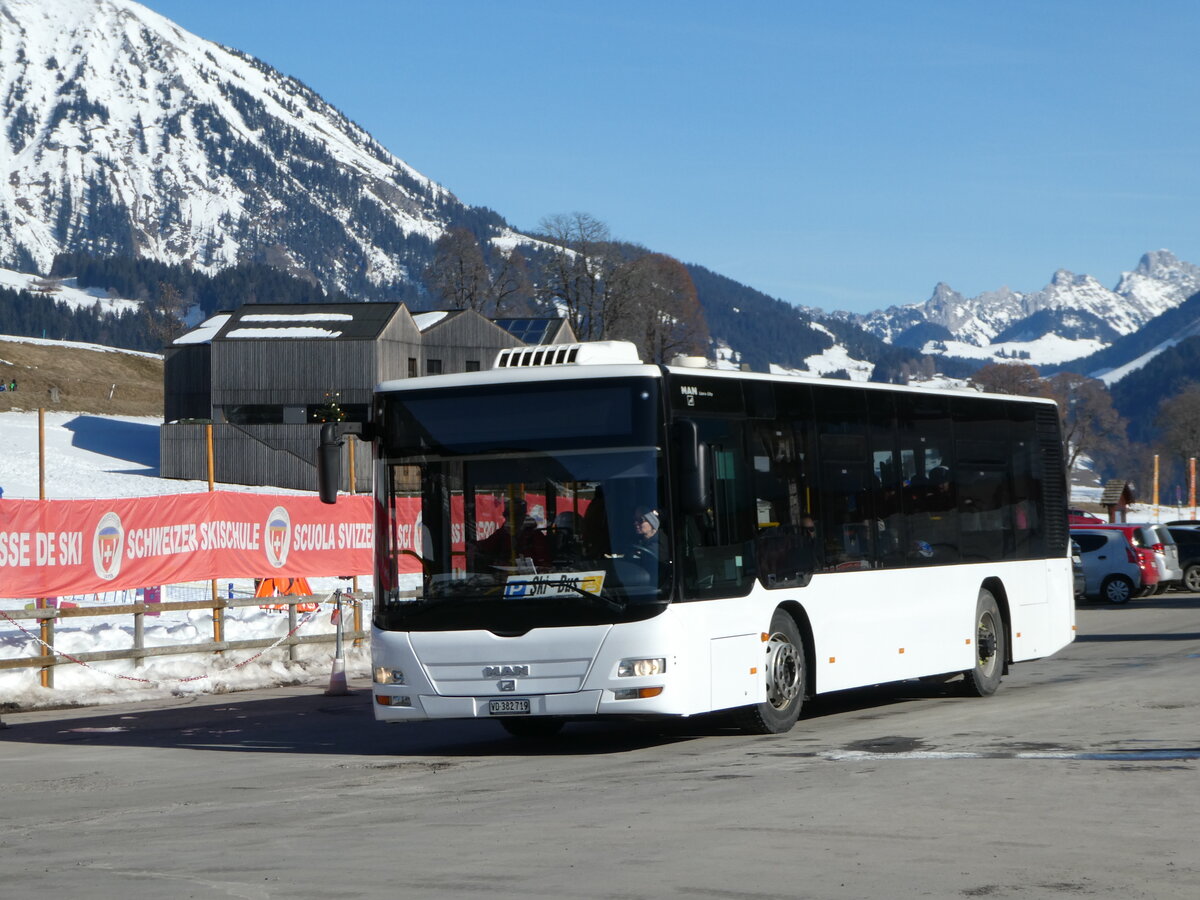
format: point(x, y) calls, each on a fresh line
point(117, 456)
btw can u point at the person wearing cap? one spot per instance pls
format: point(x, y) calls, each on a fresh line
point(645, 540)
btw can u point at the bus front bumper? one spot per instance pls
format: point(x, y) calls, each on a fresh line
point(395, 705)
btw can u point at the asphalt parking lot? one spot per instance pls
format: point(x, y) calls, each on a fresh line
point(1077, 778)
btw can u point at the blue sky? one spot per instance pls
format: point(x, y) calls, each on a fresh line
point(838, 155)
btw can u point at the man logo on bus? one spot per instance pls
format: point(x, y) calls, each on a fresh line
point(107, 545)
point(279, 536)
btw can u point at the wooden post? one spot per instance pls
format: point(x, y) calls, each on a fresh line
point(1156, 510)
point(41, 453)
point(218, 610)
point(46, 676)
point(139, 635)
point(47, 673)
point(1191, 479)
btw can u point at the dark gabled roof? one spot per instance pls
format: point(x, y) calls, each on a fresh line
point(531, 331)
point(308, 321)
point(1115, 492)
point(430, 319)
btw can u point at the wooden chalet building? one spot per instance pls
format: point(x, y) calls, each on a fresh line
point(267, 376)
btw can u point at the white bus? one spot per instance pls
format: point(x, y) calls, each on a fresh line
point(812, 536)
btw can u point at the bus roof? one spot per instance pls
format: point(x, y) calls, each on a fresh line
point(593, 365)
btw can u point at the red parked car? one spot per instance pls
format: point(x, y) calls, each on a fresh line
point(1142, 539)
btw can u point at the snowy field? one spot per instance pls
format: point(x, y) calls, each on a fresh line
point(91, 456)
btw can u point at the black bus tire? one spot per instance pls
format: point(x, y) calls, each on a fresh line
point(785, 676)
point(991, 648)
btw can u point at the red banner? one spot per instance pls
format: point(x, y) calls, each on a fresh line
point(54, 547)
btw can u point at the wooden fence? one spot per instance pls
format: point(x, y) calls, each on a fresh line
point(139, 652)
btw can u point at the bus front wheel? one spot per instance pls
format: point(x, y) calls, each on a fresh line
point(784, 672)
point(991, 640)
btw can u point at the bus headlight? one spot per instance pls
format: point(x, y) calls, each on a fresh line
point(627, 668)
point(385, 675)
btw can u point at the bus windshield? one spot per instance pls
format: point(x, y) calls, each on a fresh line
point(510, 507)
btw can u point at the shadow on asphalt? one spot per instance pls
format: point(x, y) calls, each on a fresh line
point(344, 726)
point(1119, 638)
point(1158, 601)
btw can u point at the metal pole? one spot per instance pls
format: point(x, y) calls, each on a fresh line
point(337, 677)
point(337, 653)
point(292, 632)
point(351, 440)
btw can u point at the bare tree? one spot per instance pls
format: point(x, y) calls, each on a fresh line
point(576, 269)
point(166, 313)
point(654, 305)
point(1021, 379)
point(1179, 419)
point(1091, 425)
point(458, 273)
point(511, 286)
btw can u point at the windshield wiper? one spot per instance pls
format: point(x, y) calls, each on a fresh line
point(611, 604)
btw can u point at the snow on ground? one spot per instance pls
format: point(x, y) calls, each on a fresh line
point(1047, 350)
point(66, 290)
point(78, 345)
point(835, 359)
point(1112, 376)
point(89, 457)
point(103, 457)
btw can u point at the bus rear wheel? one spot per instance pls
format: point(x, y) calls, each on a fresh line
point(532, 728)
point(785, 676)
point(991, 648)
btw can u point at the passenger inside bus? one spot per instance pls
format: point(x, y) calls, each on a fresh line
point(517, 538)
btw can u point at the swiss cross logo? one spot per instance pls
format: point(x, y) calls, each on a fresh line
point(279, 537)
point(107, 544)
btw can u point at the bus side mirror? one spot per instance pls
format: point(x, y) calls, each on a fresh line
point(329, 463)
point(695, 464)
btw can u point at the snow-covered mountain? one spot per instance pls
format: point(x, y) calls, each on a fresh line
point(125, 134)
point(1072, 316)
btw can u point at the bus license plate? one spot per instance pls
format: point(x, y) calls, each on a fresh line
point(508, 707)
